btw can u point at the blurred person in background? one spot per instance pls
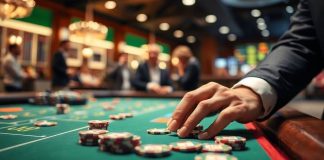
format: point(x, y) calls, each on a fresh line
point(149, 77)
point(14, 75)
point(60, 74)
point(120, 75)
point(188, 68)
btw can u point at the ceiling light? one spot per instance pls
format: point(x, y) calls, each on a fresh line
point(231, 37)
point(256, 13)
point(15, 8)
point(211, 18)
point(134, 64)
point(191, 39)
point(224, 30)
point(260, 20)
point(87, 52)
point(178, 34)
point(289, 9)
point(188, 2)
point(262, 26)
point(265, 33)
point(88, 28)
point(110, 4)
point(162, 65)
point(141, 17)
point(164, 26)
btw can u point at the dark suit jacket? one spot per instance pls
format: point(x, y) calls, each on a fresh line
point(116, 78)
point(298, 56)
point(142, 77)
point(59, 70)
point(190, 80)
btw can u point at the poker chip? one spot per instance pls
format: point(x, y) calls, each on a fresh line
point(214, 156)
point(90, 137)
point(236, 142)
point(62, 108)
point(98, 124)
point(45, 123)
point(8, 116)
point(117, 117)
point(119, 143)
point(107, 106)
point(153, 150)
point(216, 148)
point(158, 131)
point(185, 146)
point(127, 115)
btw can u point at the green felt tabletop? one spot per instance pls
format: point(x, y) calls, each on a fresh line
point(19, 139)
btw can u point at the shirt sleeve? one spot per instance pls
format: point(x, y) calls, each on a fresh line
point(266, 92)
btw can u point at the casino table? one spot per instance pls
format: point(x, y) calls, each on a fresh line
point(21, 140)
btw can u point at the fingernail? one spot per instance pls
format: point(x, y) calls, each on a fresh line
point(181, 132)
point(173, 125)
point(169, 121)
point(203, 135)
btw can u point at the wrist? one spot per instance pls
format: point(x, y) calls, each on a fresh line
point(251, 97)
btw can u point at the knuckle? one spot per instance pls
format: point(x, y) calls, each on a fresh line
point(204, 105)
point(228, 115)
point(189, 95)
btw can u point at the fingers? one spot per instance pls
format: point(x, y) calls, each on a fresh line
point(225, 117)
point(188, 103)
point(201, 111)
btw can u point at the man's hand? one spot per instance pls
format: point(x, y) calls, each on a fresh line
point(240, 104)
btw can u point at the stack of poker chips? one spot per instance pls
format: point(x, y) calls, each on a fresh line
point(90, 137)
point(98, 124)
point(236, 142)
point(53, 98)
point(119, 143)
point(62, 108)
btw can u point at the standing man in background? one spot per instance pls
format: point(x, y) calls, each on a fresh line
point(188, 68)
point(59, 67)
point(13, 73)
point(149, 77)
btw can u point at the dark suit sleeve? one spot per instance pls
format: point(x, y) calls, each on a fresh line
point(294, 60)
point(189, 79)
point(59, 65)
point(138, 82)
point(166, 78)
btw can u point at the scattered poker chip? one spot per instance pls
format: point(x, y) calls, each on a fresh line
point(8, 116)
point(214, 156)
point(153, 150)
point(158, 131)
point(127, 115)
point(117, 117)
point(107, 106)
point(194, 133)
point(45, 123)
point(98, 124)
point(62, 108)
point(185, 146)
point(236, 142)
point(216, 148)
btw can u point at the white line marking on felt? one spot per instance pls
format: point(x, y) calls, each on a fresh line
point(23, 144)
point(25, 135)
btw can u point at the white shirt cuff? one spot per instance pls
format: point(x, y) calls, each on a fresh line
point(263, 89)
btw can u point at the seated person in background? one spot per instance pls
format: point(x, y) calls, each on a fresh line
point(149, 77)
point(188, 68)
point(12, 70)
point(59, 67)
point(120, 74)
